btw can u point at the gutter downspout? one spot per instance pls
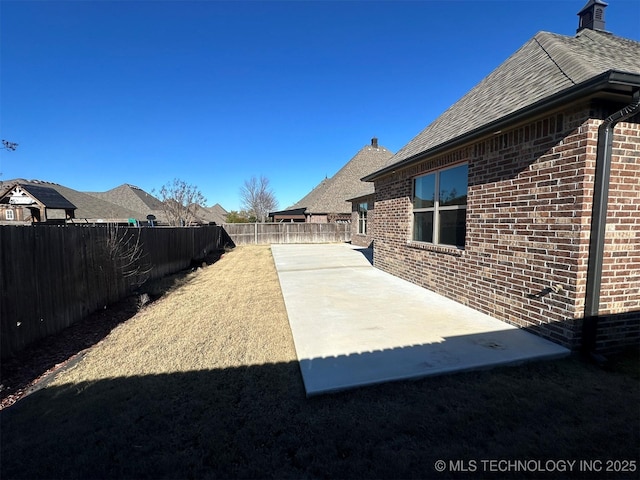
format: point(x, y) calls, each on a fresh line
point(599, 222)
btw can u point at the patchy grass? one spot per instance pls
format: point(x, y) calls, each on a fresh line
point(204, 383)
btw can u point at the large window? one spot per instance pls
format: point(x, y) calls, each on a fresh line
point(440, 207)
point(362, 218)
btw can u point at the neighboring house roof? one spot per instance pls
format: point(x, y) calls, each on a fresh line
point(87, 206)
point(133, 198)
point(547, 68)
point(212, 214)
point(314, 197)
point(331, 195)
point(363, 193)
point(121, 203)
point(47, 196)
point(130, 196)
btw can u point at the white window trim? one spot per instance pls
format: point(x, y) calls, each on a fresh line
point(362, 218)
point(9, 215)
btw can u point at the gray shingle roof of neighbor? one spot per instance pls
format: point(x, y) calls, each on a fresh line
point(331, 195)
point(87, 206)
point(548, 64)
point(212, 214)
point(121, 203)
point(135, 199)
point(130, 196)
point(48, 196)
point(311, 198)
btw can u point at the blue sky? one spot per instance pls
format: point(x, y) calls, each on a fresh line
point(101, 93)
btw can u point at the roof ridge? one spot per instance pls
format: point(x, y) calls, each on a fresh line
point(544, 67)
point(331, 195)
point(546, 41)
point(605, 35)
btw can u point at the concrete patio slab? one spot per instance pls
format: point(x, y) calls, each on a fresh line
point(355, 325)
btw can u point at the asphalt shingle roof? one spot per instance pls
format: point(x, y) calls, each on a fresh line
point(212, 214)
point(546, 65)
point(130, 196)
point(121, 203)
point(87, 206)
point(135, 199)
point(48, 196)
point(331, 195)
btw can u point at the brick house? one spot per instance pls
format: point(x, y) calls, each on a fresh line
point(329, 202)
point(522, 200)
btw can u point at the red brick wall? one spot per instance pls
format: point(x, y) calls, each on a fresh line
point(528, 217)
point(620, 290)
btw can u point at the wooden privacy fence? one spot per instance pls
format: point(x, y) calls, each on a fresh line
point(53, 276)
point(267, 233)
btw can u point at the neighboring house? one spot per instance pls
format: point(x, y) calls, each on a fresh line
point(215, 214)
point(125, 204)
point(329, 201)
point(22, 202)
point(522, 200)
point(135, 199)
point(89, 209)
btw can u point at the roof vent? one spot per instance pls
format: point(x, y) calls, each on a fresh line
point(374, 142)
point(592, 16)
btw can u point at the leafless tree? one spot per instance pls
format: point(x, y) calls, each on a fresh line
point(258, 198)
point(180, 202)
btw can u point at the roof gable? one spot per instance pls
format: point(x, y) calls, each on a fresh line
point(26, 194)
point(87, 206)
point(331, 195)
point(546, 65)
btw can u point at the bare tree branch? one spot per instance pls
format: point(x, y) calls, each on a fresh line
point(180, 202)
point(7, 145)
point(257, 198)
point(124, 248)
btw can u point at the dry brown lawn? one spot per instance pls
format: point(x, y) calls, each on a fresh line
point(204, 383)
point(229, 314)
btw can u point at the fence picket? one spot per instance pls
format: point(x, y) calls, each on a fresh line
point(268, 233)
point(51, 276)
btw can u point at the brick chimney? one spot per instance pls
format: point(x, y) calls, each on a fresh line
point(374, 142)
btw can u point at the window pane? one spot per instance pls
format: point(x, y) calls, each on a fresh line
point(424, 189)
point(423, 226)
point(453, 186)
point(363, 207)
point(362, 222)
point(453, 227)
